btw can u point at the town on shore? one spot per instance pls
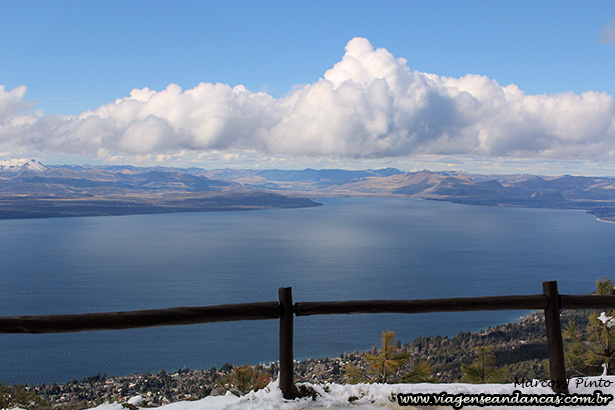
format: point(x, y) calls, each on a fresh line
point(519, 346)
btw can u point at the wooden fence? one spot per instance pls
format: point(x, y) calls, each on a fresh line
point(550, 301)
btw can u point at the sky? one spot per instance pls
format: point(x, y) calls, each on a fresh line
point(478, 86)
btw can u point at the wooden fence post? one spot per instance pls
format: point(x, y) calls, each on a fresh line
point(287, 384)
point(555, 342)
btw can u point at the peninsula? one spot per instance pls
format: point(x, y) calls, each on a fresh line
point(29, 189)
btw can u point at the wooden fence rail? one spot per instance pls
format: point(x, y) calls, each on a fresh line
point(139, 318)
point(550, 301)
point(524, 302)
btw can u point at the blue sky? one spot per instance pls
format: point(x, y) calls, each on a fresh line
point(76, 57)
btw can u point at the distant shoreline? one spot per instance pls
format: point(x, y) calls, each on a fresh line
point(12, 208)
point(37, 208)
point(34, 190)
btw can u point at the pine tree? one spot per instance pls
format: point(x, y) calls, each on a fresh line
point(353, 374)
point(386, 360)
point(604, 287)
point(420, 373)
point(483, 370)
point(591, 351)
point(383, 364)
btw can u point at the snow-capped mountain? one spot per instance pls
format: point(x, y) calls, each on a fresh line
point(21, 165)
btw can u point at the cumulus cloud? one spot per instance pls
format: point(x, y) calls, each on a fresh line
point(12, 102)
point(368, 105)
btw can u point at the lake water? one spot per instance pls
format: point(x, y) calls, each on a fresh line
point(348, 249)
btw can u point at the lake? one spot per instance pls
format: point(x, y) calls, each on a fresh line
point(347, 249)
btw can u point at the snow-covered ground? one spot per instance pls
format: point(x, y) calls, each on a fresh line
point(382, 396)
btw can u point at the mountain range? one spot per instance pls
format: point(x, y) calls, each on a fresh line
point(29, 189)
point(593, 194)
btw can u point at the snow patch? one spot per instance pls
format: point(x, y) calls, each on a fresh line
point(379, 396)
point(607, 320)
point(20, 165)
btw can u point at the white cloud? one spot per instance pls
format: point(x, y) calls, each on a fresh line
point(12, 102)
point(608, 33)
point(369, 105)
